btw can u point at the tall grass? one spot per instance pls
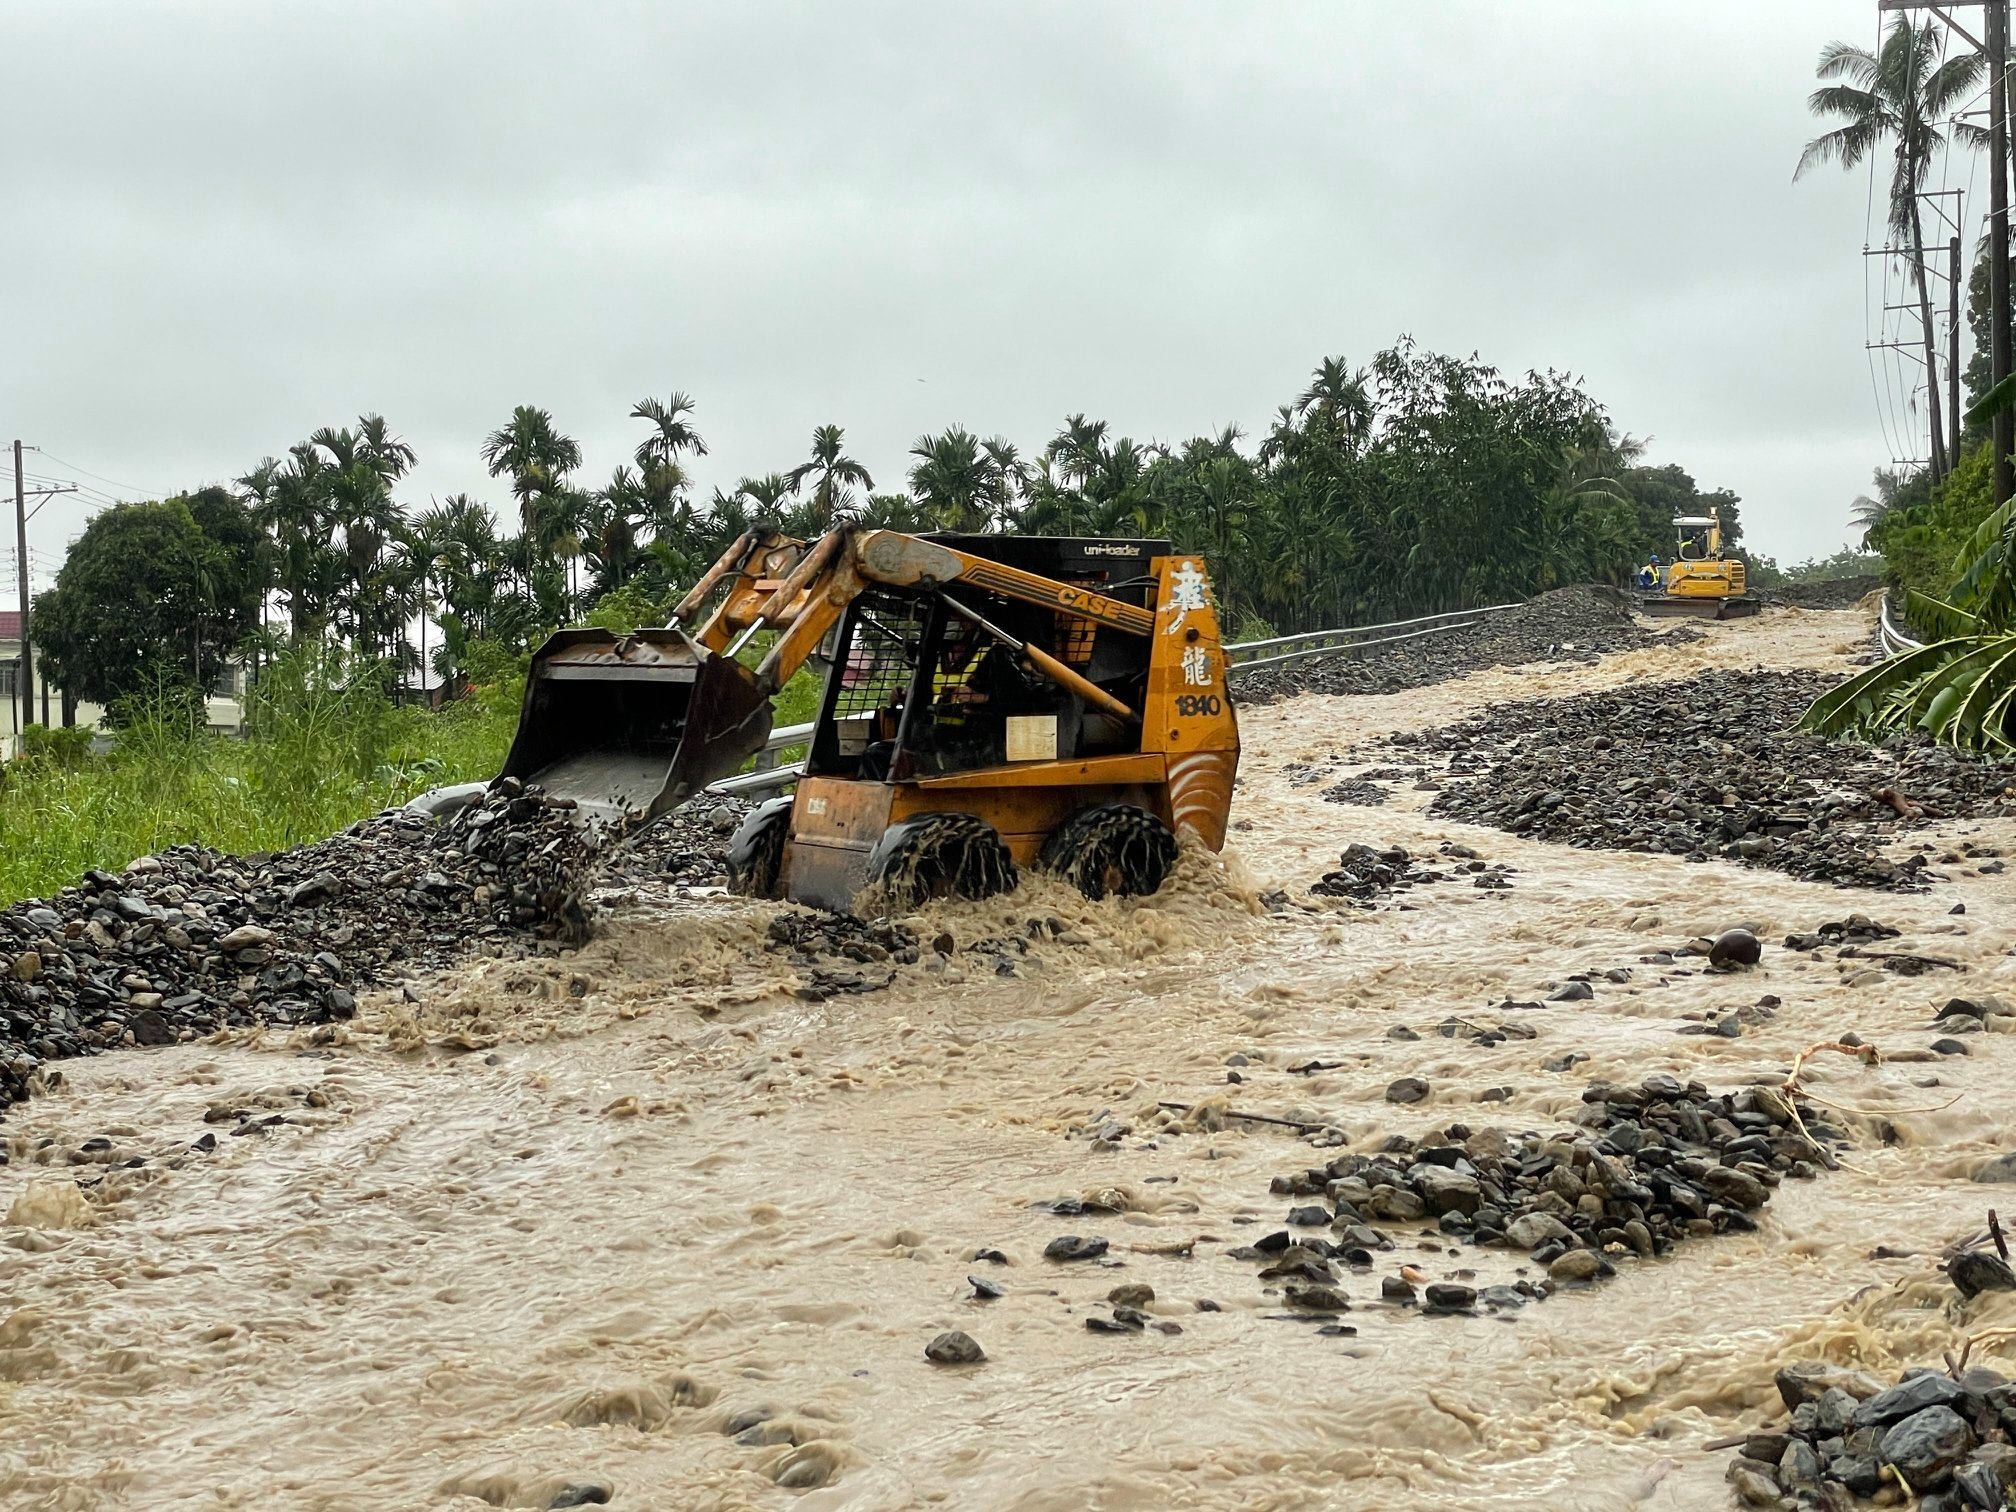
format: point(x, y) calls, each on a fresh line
point(323, 747)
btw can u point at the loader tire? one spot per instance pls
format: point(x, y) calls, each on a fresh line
point(756, 854)
point(1114, 850)
point(940, 856)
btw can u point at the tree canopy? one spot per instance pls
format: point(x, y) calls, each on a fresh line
point(151, 596)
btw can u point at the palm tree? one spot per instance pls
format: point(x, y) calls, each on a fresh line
point(1338, 401)
point(1868, 513)
point(772, 500)
point(1900, 94)
point(671, 432)
point(838, 475)
point(534, 455)
point(953, 479)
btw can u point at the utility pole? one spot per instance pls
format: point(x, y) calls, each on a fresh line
point(22, 494)
point(26, 670)
point(2003, 432)
point(1995, 47)
point(1952, 353)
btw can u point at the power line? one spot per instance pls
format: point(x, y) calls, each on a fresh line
point(137, 488)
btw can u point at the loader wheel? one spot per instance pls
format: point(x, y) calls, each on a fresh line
point(940, 856)
point(756, 854)
point(1115, 849)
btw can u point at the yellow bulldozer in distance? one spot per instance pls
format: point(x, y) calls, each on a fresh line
point(991, 702)
point(1700, 581)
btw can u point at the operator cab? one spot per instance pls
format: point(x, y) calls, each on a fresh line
point(918, 688)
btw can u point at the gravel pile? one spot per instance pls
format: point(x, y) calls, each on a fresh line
point(1569, 624)
point(1951, 1437)
point(1840, 593)
point(1708, 767)
point(1645, 1168)
point(190, 941)
point(687, 847)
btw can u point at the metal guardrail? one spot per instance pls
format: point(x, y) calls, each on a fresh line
point(767, 777)
point(1353, 637)
point(1895, 641)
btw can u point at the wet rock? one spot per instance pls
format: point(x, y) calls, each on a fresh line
point(2001, 1168)
point(1976, 1271)
point(1735, 947)
point(954, 1348)
point(1131, 1294)
point(1753, 1483)
point(1408, 1089)
point(1531, 1230)
point(1927, 1445)
point(582, 1494)
point(1446, 1191)
point(1908, 1398)
point(1324, 1299)
point(1980, 1488)
point(1576, 1265)
point(1572, 992)
point(1451, 1296)
point(148, 1027)
point(1069, 1247)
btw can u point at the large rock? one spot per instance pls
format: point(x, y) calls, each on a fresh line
point(1926, 1446)
point(1531, 1230)
point(1908, 1398)
point(1446, 1191)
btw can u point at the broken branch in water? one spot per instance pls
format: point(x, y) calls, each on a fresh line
point(1259, 1118)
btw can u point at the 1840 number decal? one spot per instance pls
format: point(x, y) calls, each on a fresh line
point(1192, 705)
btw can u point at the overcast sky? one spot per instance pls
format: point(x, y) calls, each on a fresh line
point(232, 223)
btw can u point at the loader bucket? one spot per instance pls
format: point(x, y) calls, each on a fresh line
point(632, 726)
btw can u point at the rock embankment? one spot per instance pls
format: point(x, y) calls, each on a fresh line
point(1579, 623)
point(1712, 766)
point(184, 943)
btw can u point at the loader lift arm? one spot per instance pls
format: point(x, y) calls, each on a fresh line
point(845, 564)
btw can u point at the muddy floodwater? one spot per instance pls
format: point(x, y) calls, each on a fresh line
point(638, 1220)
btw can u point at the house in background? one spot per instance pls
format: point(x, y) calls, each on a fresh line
point(224, 710)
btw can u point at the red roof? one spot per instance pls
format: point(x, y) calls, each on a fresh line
point(10, 624)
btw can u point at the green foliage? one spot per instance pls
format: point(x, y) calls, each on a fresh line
point(64, 749)
point(147, 596)
point(1925, 535)
point(1953, 555)
point(625, 609)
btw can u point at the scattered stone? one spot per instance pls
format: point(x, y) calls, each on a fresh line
point(1734, 948)
point(1368, 874)
point(1451, 1297)
point(954, 1348)
point(1067, 1247)
point(1408, 1089)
